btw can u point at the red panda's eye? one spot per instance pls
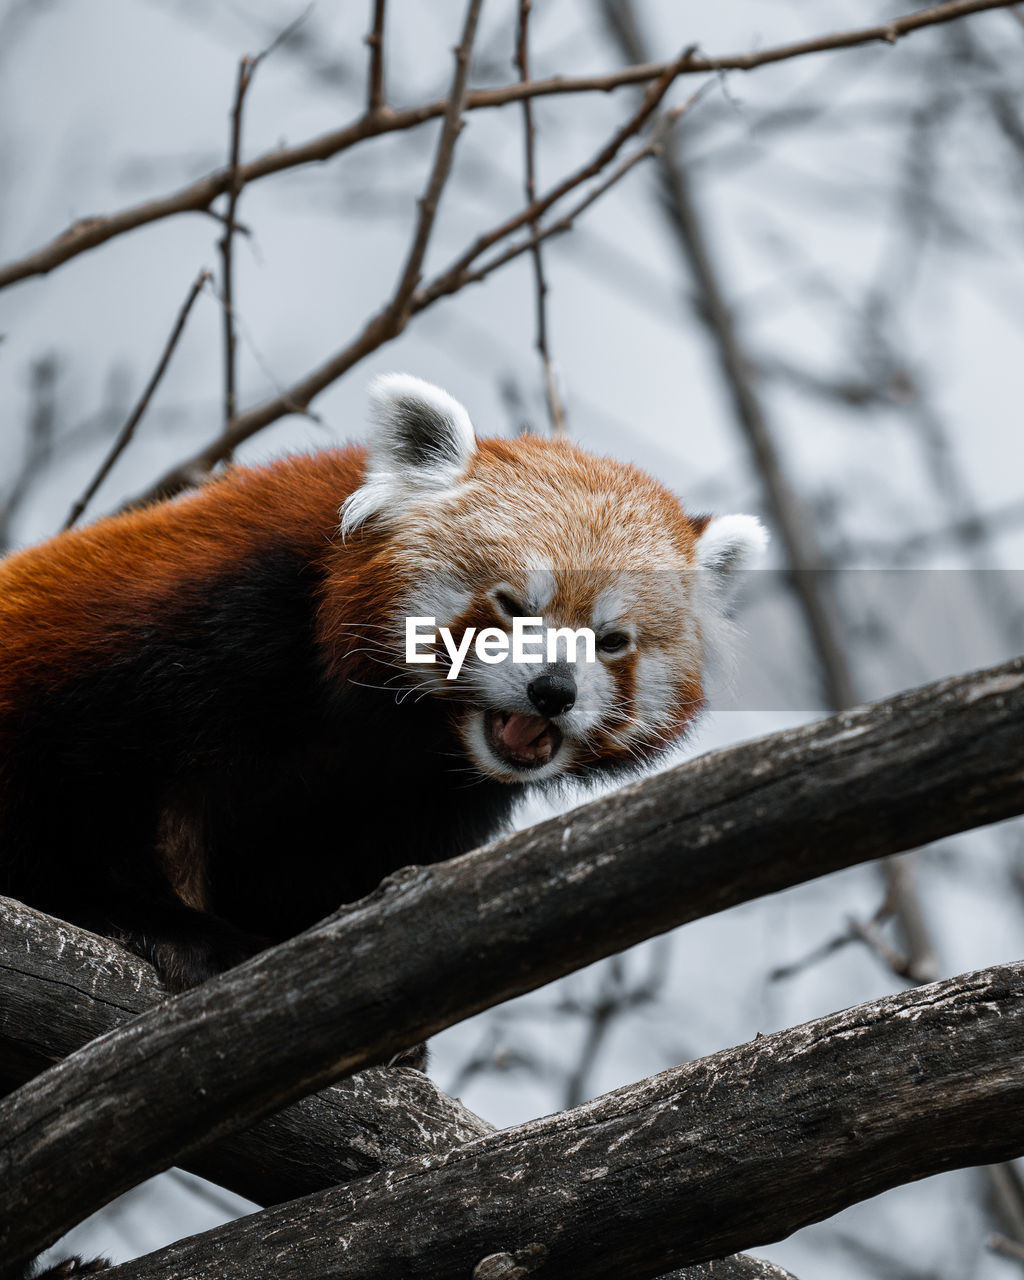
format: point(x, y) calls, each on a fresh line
point(508, 605)
point(613, 642)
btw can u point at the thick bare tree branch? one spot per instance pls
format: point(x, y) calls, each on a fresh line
point(197, 197)
point(246, 68)
point(745, 1146)
point(433, 945)
point(62, 987)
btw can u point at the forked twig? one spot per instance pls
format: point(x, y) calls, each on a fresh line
point(410, 277)
point(390, 321)
point(197, 197)
point(126, 433)
point(246, 70)
point(552, 394)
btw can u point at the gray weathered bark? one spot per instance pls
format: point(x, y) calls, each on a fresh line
point(434, 945)
point(61, 987)
point(727, 1152)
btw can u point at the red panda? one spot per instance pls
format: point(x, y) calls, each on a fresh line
point(209, 735)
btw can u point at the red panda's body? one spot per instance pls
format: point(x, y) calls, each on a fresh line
point(161, 691)
point(208, 739)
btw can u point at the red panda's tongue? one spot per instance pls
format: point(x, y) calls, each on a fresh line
point(519, 731)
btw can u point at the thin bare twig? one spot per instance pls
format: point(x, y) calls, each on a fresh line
point(648, 106)
point(386, 324)
point(895, 961)
point(853, 932)
point(917, 964)
point(410, 277)
point(282, 36)
point(1008, 1248)
point(126, 433)
point(389, 322)
point(376, 100)
point(615, 997)
point(42, 426)
point(88, 233)
point(1007, 1201)
point(246, 70)
point(552, 392)
point(246, 67)
point(453, 279)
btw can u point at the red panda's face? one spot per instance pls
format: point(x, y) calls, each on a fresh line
point(575, 703)
point(479, 534)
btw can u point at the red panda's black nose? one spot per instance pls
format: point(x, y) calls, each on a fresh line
point(552, 693)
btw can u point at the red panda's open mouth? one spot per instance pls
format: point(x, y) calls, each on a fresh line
point(526, 741)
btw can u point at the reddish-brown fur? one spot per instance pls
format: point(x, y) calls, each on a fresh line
point(201, 746)
point(63, 602)
point(143, 688)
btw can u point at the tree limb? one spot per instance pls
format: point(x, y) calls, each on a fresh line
point(729, 1151)
point(88, 233)
point(460, 275)
point(62, 987)
point(434, 945)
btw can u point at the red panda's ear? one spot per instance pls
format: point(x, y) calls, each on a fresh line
point(727, 545)
point(422, 442)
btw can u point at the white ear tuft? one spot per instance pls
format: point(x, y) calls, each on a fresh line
point(421, 444)
point(728, 545)
point(419, 425)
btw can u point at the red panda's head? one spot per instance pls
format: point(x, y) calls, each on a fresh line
point(474, 533)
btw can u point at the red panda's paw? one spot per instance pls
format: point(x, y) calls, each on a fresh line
point(417, 1056)
point(186, 962)
point(73, 1267)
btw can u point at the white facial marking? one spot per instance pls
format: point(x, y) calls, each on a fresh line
point(439, 599)
point(474, 738)
point(610, 607)
point(656, 693)
point(595, 687)
point(540, 587)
